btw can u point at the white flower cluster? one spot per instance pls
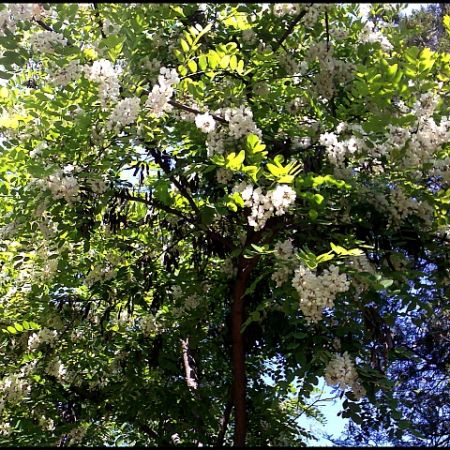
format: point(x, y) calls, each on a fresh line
point(56, 369)
point(65, 75)
point(341, 371)
point(240, 121)
point(13, 388)
point(285, 254)
point(148, 325)
point(228, 268)
point(98, 274)
point(77, 434)
point(249, 36)
point(8, 230)
point(311, 16)
point(337, 150)
point(191, 302)
point(103, 72)
point(361, 264)
point(17, 12)
point(401, 206)
point(124, 113)
point(62, 185)
point(46, 423)
point(317, 292)
point(224, 176)
point(110, 28)
point(98, 186)
point(368, 35)
point(157, 101)
point(205, 122)
point(5, 427)
point(177, 292)
point(152, 66)
point(428, 138)
point(292, 67)
point(264, 206)
point(216, 142)
point(283, 9)
point(45, 41)
point(43, 336)
point(285, 250)
point(333, 71)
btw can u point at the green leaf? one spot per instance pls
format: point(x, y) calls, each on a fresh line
point(202, 62)
point(219, 160)
point(192, 65)
point(18, 327)
point(338, 249)
point(182, 71)
point(233, 62)
point(213, 59)
point(11, 329)
point(240, 67)
point(224, 61)
point(386, 283)
point(325, 257)
point(6, 75)
point(251, 171)
point(184, 46)
point(234, 162)
point(237, 199)
point(313, 214)
point(318, 198)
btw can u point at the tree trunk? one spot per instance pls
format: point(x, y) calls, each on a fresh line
point(245, 267)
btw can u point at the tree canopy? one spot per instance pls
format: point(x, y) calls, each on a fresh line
point(197, 198)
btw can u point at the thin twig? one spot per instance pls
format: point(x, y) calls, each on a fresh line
point(194, 111)
point(43, 25)
point(290, 28)
point(99, 20)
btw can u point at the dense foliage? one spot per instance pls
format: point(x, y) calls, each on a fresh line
point(421, 386)
point(198, 197)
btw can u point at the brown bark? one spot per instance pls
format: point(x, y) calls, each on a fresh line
point(245, 267)
point(224, 423)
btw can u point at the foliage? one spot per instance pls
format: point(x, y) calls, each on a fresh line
point(195, 197)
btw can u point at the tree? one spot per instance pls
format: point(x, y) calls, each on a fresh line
point(288, 200)
point(421, 375)
point(425, 27)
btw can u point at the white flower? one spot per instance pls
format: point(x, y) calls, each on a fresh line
point(45, 41)
point(102, 72)
point(282, 197)
point(224, 176)
point(125, 112)
point(284, 250)
point(341, 372)
point(318, 292)
point(205, 122)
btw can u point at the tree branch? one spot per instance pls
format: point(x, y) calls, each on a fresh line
point(327, 28)
point(99, 20)
point(224, 422)
point(43, 25)
point(245, 267)
point(124, 195)
point(290, 28)
point(191, 380)
point(194, 111)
